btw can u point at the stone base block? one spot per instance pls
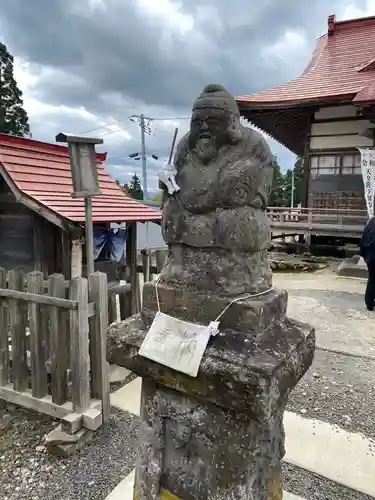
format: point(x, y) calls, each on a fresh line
point(191, 449)
point(245, 372)
point(354, 267)
point(63, 444)
point(251, 315)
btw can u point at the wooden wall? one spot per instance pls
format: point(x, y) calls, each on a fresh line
point(16, 232)
point(335, 179)
point(28, 241)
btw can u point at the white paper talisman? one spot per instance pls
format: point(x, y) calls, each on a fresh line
point(178, 344)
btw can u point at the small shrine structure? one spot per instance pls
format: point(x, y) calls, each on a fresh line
point(326, 113)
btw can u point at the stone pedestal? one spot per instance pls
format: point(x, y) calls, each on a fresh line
point(354, 267)
point(218, 436)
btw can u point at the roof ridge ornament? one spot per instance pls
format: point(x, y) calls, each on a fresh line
point(331, 24)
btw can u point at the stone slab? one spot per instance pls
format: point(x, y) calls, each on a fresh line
point(65, 445)
point(118, 373)
point(246, 373)
point(124, 490)
point(128, 398)
point(331, 452)
point(353, 268)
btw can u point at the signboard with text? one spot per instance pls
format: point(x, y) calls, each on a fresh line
point(368, 176)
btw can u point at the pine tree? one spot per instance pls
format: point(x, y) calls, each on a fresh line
point(13, 118)
point(135, 188)
point(278, 186)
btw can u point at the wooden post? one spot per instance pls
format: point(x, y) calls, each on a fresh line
point(89, 235)
point(76, 258)
point(98, 294)
point(39, 388)
point(112, 309)
point(79, 346)
point(160, 259)
point(131, 267)
point(59, 341)
point(146, 261)
point(17, 319)
point(4, 341)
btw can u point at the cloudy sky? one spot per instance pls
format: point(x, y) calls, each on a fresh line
point(86, 65)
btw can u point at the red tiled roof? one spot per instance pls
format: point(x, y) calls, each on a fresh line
point(341, 67)
point(41, 171)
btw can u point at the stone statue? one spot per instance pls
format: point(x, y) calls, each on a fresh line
point(219, 435)
point(215, 224)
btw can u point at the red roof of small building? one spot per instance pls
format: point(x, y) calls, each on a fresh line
point(41, 171)
point(342, 66)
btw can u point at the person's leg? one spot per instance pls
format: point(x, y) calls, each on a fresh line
point(370, 289)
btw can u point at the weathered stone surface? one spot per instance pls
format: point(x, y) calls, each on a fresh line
point(198, 450)
point(218, 436)
point(216, 225)
point(247, 315)
point(244, 372)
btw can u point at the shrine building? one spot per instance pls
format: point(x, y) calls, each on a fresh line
point(326, 113)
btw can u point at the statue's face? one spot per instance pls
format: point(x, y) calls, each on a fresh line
point(211, 129)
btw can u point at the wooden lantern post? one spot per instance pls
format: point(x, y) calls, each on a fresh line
point(85, 181)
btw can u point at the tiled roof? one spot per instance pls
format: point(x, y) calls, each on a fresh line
point(41, 171)
point(342, 66)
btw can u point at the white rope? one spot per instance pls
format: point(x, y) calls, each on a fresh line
point(238, 299)
point(245, 297)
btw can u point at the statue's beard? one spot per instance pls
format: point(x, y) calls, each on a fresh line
point(206, 149)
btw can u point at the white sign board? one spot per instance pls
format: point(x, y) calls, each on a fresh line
point(368, 175)
point(175, 343)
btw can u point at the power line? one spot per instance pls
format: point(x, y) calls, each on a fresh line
point(117, 130)
point(103, 126)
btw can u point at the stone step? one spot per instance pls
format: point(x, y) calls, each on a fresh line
point(128, 397)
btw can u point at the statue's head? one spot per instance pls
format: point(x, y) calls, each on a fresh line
point(215, 122)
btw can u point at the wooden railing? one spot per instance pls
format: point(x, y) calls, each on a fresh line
point(321, 216)
point(51, 343)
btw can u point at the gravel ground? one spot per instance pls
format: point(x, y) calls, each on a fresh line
point(27, 471)
point(338, 389)
point(313, 487)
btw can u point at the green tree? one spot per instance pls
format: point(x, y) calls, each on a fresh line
point(13, 118)
point(158, 196)
point(277, 197)
point(299, 181)
point(135, 189)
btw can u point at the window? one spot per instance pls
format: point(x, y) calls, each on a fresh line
point(344, 164)
point(324, 165)
point(351, 164)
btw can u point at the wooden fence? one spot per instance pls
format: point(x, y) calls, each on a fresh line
point(64, 331)
point(124, 299)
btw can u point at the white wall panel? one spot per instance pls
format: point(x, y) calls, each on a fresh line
point(335, 112)
point(337, 142)
point(344, 127)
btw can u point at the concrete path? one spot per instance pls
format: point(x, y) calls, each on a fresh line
point(335, 306)
point(312, 445)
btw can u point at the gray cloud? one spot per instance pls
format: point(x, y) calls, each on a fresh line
point(121, 59)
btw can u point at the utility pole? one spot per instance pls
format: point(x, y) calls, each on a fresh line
point(143, 155)
point(292, 195)
point(144, 123)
